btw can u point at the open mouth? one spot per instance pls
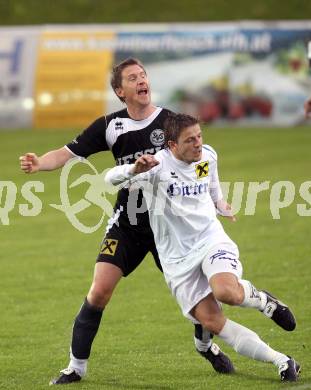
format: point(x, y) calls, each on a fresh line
point(142, 92)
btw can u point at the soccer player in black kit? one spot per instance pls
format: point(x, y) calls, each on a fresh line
point(128, 134)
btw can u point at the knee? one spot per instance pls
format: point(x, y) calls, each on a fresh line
point(99, 296)
point(228, 294)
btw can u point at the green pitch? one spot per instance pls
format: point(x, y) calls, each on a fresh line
point(144, 342)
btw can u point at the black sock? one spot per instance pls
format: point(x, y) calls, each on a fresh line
point(201, 333)
point(84, 330)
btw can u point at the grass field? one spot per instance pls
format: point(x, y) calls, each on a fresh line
point(144, 342)
point(20, 12)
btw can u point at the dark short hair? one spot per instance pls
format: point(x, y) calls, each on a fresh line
point(116, 74)
point(175, 124)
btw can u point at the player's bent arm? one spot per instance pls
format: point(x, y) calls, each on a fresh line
point(119, 174)
point(223, 208)
point(124, 173)
point(31, 163)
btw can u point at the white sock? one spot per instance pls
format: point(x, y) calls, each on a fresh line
point(252, 297)
point(79, 365)
point(247, 343)
point(206, 341)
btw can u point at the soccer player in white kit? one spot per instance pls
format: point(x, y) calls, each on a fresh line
point(200, 262)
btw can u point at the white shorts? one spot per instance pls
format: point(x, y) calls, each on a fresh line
point(189, 282)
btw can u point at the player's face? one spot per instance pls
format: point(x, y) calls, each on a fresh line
point(134, 86)
point(188, 147)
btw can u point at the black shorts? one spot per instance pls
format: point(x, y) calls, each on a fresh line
point(126, 247)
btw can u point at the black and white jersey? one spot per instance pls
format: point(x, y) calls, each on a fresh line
point(127, 139)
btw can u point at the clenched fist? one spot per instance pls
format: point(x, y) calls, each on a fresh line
point(145, 163)
point(29, 163)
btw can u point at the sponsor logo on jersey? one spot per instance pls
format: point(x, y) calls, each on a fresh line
point(131, 158)
point(173, 174)
point(109, 247)
point(119, 125)
point(184, 189)
point(157, 137)
point(201, 169)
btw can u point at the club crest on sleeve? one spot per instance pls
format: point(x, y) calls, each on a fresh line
point(201, 169)
point(109, 247)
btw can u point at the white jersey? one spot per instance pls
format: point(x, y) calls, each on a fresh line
point(181, 201)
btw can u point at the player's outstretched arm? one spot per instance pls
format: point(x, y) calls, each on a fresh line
point(307, 108)
point(225, 210)
point(31, 163)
